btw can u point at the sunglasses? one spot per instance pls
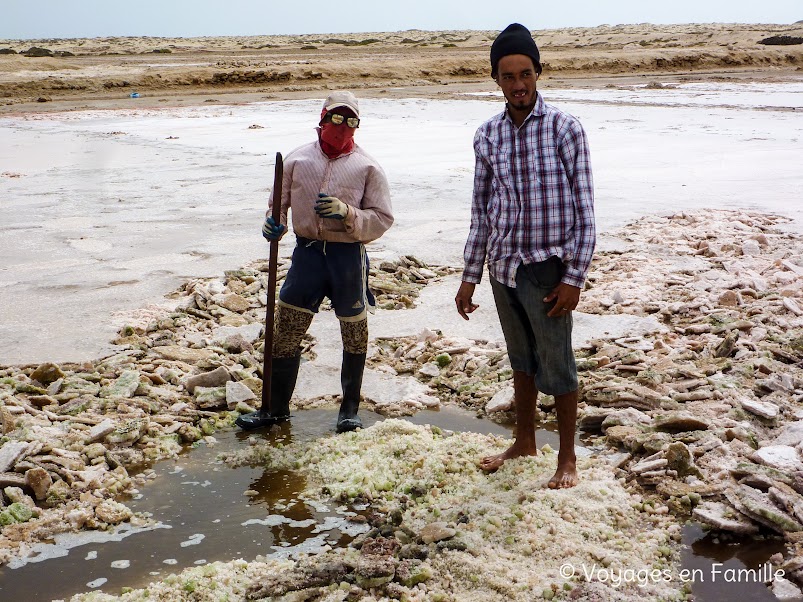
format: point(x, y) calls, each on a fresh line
point(352, 122)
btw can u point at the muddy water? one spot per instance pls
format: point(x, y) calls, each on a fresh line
point(205, 516)
point(714, 567)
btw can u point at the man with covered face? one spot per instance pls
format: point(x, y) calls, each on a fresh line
point(532, 220)
point(339, 199)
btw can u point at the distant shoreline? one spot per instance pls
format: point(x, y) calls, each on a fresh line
point(402, 32)
point(103, 72)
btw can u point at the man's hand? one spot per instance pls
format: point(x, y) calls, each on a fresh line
point(566, 298)
point(332, 207)
point(271, 230)
point(463, 299)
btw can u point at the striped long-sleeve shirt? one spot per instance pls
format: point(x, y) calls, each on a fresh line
point(533, 196)
point(355, 178)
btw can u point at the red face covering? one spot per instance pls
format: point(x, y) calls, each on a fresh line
point(335, 140)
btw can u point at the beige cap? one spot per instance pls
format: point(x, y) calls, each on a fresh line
point(342, 99)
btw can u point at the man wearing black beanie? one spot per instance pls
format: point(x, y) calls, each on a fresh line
point(532, 220)
point(515, 39)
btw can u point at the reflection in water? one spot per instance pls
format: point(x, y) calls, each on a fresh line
point(208, 517)
point(713, 567)
point(212, 512)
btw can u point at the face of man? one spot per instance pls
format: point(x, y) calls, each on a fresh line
point(516, 75)
point(337, 134)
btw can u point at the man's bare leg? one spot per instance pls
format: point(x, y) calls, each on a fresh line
point(525, 395)
point(566, 474)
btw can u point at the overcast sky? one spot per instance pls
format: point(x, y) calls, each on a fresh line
point(23, 19)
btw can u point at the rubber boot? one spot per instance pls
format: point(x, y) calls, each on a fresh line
point(284, 371)
point(351, 380)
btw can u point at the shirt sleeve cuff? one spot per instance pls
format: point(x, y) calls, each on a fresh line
point(574, 277)
point(472, 276)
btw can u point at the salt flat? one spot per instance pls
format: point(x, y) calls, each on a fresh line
point(105, 212)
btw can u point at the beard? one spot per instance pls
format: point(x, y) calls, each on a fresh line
point(523, 102)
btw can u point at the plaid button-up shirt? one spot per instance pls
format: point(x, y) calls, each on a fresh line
point(533, 196)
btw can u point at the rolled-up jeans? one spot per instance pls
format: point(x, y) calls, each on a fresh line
point(537, 344)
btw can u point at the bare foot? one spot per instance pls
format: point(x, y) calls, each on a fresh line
point(565, 475)
point(492, 463)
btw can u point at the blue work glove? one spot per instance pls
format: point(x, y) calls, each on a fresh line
point(271, 231)
point(332, 207)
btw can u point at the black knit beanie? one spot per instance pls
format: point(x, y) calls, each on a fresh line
point(515, 39)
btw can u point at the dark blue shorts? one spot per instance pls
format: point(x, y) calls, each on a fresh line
point(537, 344)
point(338, 270)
